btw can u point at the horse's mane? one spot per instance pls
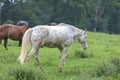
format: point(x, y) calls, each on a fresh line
point(64, 24)
point(67, 25)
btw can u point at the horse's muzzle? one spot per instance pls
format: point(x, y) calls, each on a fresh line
point(85, 48)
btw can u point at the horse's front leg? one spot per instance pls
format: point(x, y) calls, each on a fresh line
point(62, 62)
point(5, 43)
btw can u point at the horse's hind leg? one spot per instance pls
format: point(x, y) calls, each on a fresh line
point(30, 55)
point(35, 50)
point(38, 60)
point(5, 43)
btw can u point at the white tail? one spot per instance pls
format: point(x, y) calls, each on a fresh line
point(25, 45)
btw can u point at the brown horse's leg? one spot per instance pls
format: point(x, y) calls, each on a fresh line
point(5, 43)
point(20, 42)
point(0, 41)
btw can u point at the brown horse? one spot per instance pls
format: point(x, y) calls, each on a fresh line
point(13, 32)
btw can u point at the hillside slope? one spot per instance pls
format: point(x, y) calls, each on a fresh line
point(101, 61)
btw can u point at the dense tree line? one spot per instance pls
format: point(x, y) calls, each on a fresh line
point(93, 15)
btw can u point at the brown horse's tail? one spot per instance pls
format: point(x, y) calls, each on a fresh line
point(25, 44)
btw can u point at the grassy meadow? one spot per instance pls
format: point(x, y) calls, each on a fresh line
point(101, 61)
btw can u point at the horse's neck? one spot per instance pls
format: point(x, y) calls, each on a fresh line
point(77, 33)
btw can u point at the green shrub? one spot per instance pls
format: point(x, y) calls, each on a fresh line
point(82, 54)
point(19, 73)
point(116, 62)
point(111, 67)
point(103, 69)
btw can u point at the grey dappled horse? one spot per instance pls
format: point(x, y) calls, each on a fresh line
point(20, 23)
point(60, 36)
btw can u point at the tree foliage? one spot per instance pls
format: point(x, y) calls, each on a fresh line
point(93, 15)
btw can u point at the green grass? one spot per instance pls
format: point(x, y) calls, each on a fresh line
point(99, 62)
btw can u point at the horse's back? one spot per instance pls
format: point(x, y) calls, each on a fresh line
point(53, 30)
point(14, 32)
point(52, 36)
